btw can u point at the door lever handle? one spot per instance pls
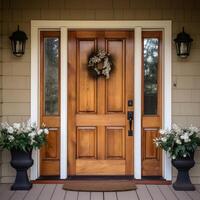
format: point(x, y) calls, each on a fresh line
point(130, 118)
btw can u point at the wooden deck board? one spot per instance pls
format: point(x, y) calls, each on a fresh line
point(47, 192)
point(7, 193)
point(167, 193)
point(96, 195)
point(110, 196)
point(127, 195)
point(155, 192)
point(197, 188)
point(83, 196)
point(34, 193)
point(19, 195)
point(55, 192)
point(59, 193)
point(70, 195)
point(194, 195)
point(181, 195)
point(143, 193)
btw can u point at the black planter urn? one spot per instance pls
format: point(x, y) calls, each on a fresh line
point(21, 161)
point(183, 182)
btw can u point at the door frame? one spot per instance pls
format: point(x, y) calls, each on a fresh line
point(137, 27)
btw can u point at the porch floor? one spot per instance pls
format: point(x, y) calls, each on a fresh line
point(55, 192)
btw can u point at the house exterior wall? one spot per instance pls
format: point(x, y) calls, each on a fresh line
point(15, 73)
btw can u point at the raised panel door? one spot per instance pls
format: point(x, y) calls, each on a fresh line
point(98, 141)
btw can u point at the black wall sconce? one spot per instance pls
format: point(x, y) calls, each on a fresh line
point(183, 43)
point(18, 41)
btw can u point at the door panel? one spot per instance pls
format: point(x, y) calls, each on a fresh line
point(86, 143)
point(50, 101)
point(86, 87)
point(151, 102)
point(115, 92)
point(98, 142)
point(115, 143)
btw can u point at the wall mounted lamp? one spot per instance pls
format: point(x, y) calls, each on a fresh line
point(183, 43)
point(18, 42)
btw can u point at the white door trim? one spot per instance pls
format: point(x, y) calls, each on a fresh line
point(63, 109)
point(137, 26)
point(137, 101)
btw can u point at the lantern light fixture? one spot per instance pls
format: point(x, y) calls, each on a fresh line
point(183, 43)
point(18, 42)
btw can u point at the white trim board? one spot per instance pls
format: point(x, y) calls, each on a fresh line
point(137, 26)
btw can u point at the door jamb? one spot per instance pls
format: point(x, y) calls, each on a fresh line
point(137, 26)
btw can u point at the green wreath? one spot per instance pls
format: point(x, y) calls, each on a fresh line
point(95, 59)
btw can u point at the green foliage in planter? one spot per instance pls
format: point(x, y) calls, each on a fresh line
point(22, 136)
point(179, 142)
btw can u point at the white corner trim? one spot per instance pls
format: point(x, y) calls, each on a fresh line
point(36, 25)
point(137, 101)
point(63, 109)
point(35, 94)
point(167, 113)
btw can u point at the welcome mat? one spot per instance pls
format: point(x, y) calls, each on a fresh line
point(99, 185)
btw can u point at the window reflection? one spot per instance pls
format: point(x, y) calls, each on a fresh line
point(51, 75)
point(151, 53)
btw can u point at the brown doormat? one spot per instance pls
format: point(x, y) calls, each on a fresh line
point(99, 185)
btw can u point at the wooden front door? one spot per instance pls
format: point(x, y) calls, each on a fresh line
point(98, 141)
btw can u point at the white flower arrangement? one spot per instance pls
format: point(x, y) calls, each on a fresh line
point(100, 57)
point(179, 142)
point(22, 136)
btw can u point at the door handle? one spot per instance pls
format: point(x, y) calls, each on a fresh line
point(130, 118)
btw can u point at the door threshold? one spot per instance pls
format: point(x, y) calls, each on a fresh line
point(145, 180)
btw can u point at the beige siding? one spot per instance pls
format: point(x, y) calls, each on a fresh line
point(15, 72)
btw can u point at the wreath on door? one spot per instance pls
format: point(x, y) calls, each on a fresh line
point(100, 64)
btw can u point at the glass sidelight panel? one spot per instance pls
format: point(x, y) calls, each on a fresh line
point(151, 102)
point(51, 75)
point(150, 60)
point(50, 101)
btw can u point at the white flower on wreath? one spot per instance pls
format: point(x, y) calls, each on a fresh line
point(107, 67)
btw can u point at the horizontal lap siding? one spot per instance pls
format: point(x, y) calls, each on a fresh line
point(15, 72)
